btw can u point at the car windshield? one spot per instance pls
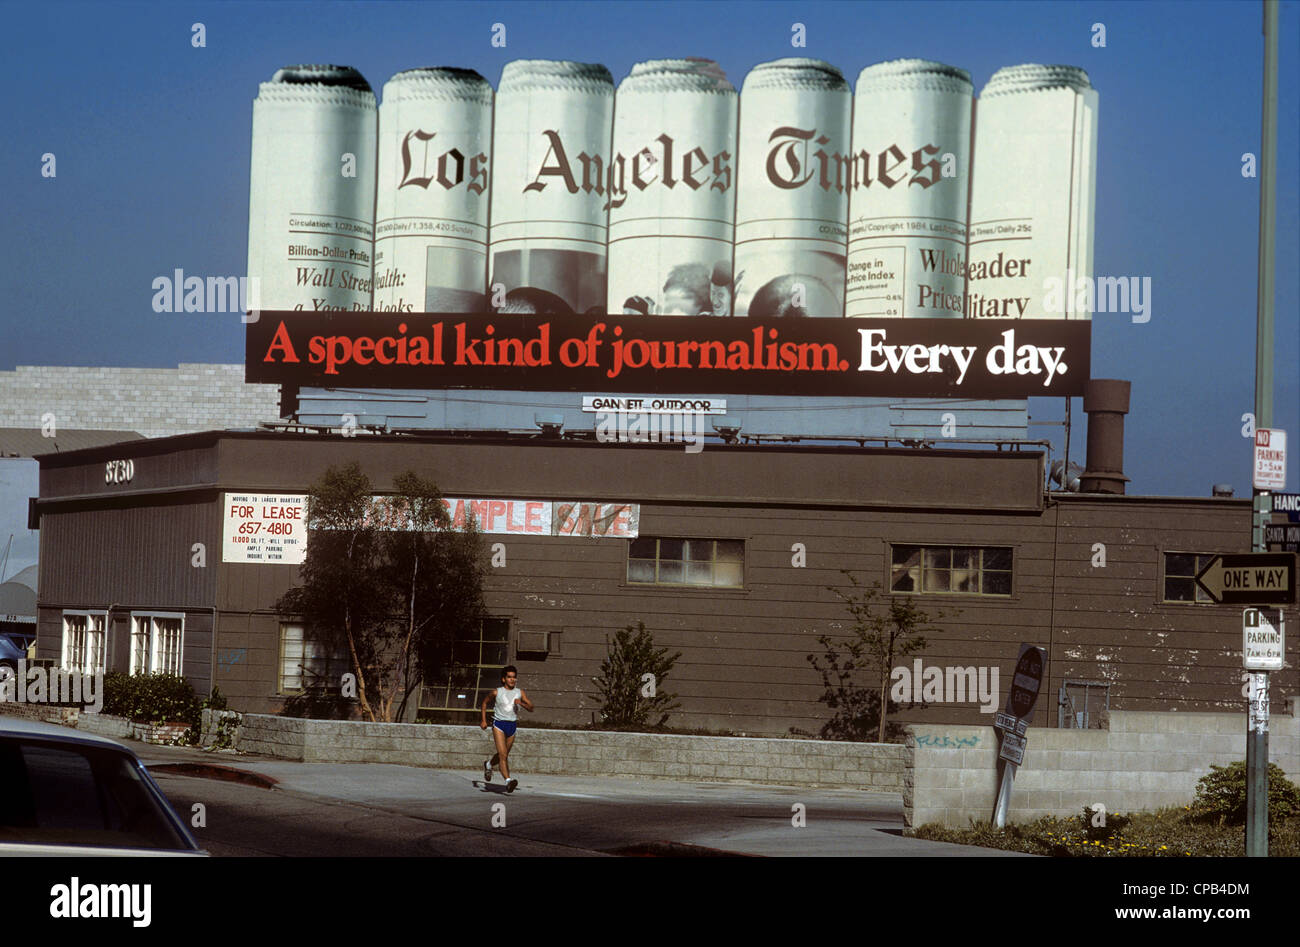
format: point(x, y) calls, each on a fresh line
point(63, 794)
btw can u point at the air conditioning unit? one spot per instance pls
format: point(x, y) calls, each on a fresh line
point(535, 642)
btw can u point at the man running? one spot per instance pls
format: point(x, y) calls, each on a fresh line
point(508, 697)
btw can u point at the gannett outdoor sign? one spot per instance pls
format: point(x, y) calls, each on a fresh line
point(987, 358)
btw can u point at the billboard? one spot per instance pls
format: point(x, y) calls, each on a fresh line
point(805, 240)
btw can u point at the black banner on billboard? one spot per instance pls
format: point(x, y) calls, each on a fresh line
point(904, 358)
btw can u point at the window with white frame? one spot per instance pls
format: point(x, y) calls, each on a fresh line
point(156, 642)
point(84, 641)
point(307, 663)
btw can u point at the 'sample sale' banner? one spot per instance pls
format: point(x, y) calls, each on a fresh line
point(968, 358)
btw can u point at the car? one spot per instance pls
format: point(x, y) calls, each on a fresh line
point(69, 793)
point(14, 647)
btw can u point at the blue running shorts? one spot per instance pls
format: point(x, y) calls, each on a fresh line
point(506, 726)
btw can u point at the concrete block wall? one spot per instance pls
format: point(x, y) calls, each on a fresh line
point(155, 402)
point(868, 766)
point(1143, 762)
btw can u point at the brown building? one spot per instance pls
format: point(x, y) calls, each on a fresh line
point(734, 550)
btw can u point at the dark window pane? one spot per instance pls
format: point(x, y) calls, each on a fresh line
point(997, 559)
point(997, 583)
point(907, 556)
point(965, 558)
point(937, 580)
point(671, 548)
point(465, 652)
point(642, 548)
point(938, 558)
point(1180, 563)
point(903, 581)
point(434, 696)
point(496, 629)
point(699, 550)
point(495, 654)
point(965, 580)
point(730, 550)
point(1179, 590)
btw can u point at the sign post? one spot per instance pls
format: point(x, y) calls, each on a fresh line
point(1014, 721)
point(1263, 649)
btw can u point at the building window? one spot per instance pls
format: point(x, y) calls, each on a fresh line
point(474, 669)
point(1181, 569)
point(951, 570)
point(156, 643)
point(717, 563)
point(84, 641)
point(306, 663)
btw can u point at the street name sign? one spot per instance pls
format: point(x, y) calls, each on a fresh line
point(1285, 535)
point(1009, 723)
point(1251, 578)
point(1263, 639)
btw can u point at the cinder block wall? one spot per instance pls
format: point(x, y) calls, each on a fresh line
point(155, 402)
point(870, 766)
point(1145, 761)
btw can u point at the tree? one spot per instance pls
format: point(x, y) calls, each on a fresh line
point(877, 639)
point(387, 580)
point(631, 679)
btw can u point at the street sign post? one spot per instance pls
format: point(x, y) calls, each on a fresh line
point(1251, 578)
point(1013, 722)
point(1270, 459)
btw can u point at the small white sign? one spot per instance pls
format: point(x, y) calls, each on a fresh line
point(264, 528)
point(1013, 748)
point(1005, 721)
point(1270, 458)
point(1263, 639)
point(654, 404)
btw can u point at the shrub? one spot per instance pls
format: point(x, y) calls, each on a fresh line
point(1221, 794)
point(627, 698)
point(151, 698)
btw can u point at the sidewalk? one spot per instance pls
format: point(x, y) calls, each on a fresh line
point(602, 814)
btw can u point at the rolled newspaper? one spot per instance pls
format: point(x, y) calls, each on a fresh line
point(551, 144)
point(671, 194)
point(311, 196)
point(792, 196)
point(1033, 194)
point(431, 207)
point(910, 169)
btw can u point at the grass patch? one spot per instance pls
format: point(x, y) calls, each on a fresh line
point(1177, 831)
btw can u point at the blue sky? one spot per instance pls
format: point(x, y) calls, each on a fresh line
point(151, 138)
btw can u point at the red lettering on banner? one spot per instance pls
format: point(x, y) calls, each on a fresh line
point(533, 518)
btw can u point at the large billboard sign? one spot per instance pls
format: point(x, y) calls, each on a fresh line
point(806, 239)
point(847, 357)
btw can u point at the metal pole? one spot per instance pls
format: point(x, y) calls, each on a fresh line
point(1006, 778)
point(1257, 719)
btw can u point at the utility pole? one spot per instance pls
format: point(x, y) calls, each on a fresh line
point(1257, 718)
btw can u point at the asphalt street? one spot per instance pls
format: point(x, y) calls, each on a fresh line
point(382, 809)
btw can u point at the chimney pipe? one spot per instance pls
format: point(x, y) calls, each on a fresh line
point(1105, 400)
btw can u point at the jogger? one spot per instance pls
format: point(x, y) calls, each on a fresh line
point(507, 699)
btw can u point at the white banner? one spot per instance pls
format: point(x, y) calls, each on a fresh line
point(264, 528)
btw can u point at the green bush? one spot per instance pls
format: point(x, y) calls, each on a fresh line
point(1221, 795)
point(151, 698)
point(631, 680)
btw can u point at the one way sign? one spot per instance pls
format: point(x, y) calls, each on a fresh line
point(1251, 578)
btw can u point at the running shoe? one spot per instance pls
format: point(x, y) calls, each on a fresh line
point(487, 771)
point(511, 783)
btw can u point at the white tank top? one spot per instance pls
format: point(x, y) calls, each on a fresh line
point(505, 708)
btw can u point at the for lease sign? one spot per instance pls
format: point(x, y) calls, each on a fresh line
point(264, 528)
